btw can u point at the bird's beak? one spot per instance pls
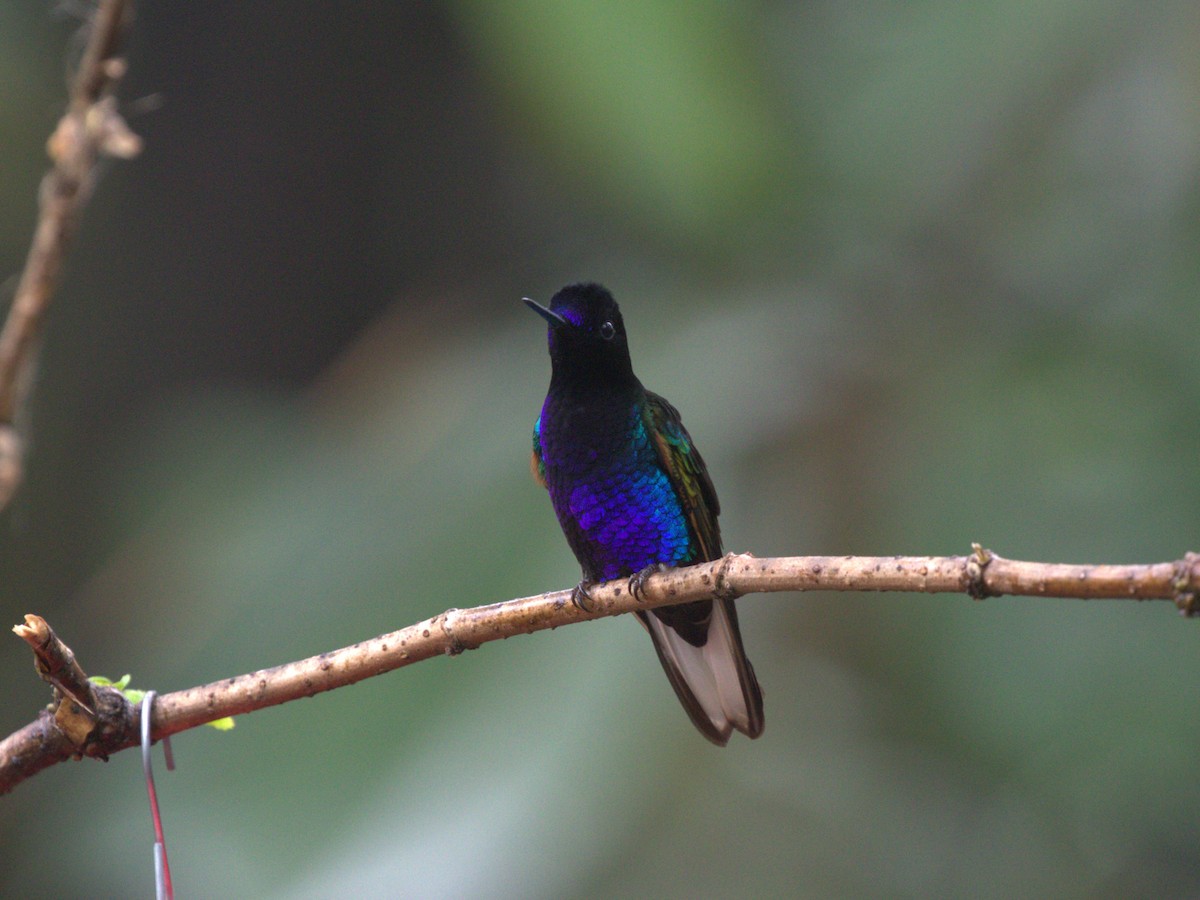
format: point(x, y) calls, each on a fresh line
point(555, 320)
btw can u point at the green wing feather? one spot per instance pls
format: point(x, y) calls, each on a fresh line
point(700, 644)
point(683, 463)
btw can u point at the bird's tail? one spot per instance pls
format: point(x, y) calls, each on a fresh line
point(707, 666)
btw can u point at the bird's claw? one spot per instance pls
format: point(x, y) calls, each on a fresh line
point(581, 596)
point(637, 581)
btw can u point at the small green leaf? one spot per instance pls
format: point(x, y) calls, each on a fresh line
point(108, 682)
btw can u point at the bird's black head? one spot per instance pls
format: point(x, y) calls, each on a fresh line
point(587, 335)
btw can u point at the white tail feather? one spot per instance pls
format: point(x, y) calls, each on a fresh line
point(712, 675)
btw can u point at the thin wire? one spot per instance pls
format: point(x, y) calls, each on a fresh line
point(162, 872)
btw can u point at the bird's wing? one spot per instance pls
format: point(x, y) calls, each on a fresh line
point(683, 463)
point(537, 465)
point(699, 644)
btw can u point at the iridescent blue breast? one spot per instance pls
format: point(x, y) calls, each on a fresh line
point(614, 501)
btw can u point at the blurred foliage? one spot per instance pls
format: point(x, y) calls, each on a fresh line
point(917, 275)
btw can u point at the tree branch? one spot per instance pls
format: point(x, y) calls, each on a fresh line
point(113, 723)
point(90, 129)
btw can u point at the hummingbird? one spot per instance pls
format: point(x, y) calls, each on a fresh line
point(633, 497)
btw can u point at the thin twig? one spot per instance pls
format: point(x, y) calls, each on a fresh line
point(57, 665)
point(981, 574)
point(90, 128)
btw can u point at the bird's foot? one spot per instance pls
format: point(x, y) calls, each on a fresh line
point(581, 596)
point(637, 581)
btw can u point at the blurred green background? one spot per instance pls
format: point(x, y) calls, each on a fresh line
point(916, 274)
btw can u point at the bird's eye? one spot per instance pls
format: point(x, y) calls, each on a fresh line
point(607, 330)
